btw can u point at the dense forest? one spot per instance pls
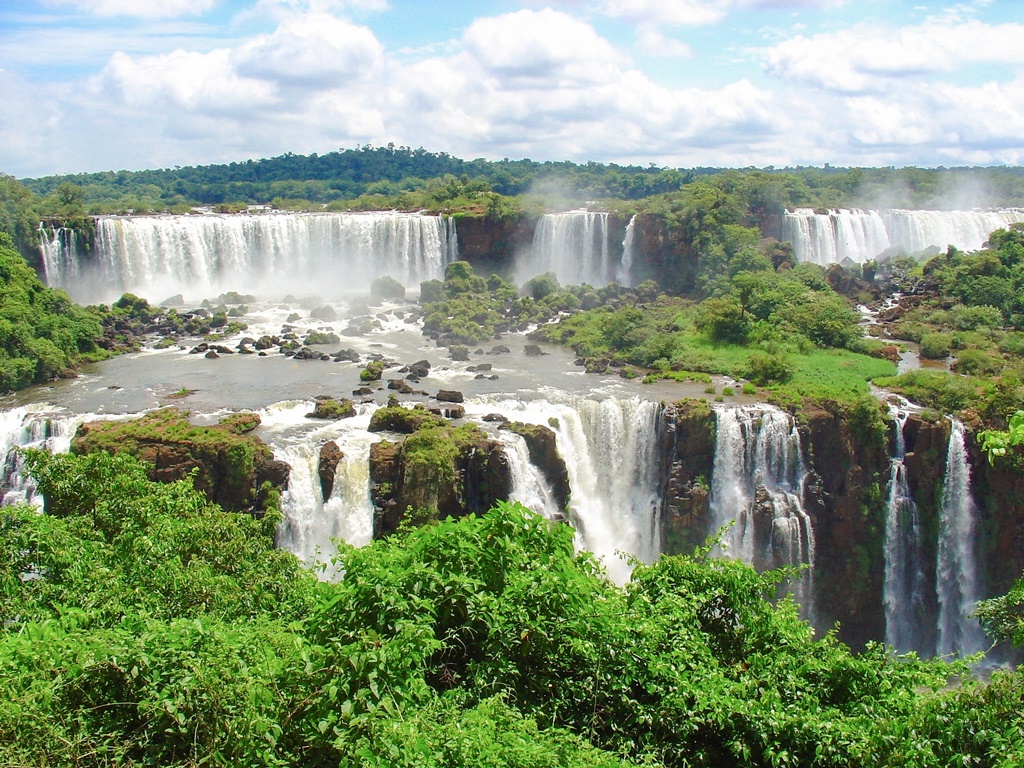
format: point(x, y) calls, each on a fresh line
point(385, 173)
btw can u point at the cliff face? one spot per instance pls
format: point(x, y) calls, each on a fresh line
point(688, 455)
point(846, 496)
point(490, 243)
point(845, 499)
point(999, 492)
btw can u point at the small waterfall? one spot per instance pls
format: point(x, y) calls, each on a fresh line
point(758, 484)
point(610, 452)
point(624, 275)
point(529, 486)
point(58, 247)
point(31, 427)
point(573, 245)
point(903, 594)
point(956, 570)
point(310, 525)
point(861, 235)
point(265, 254)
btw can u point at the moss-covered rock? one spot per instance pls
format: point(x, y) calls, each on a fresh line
point(395, 418)
point(688, 448)
point(331, 408)
point(436, 472)
point(233, 467)
point(372, 371)
point(386, 287)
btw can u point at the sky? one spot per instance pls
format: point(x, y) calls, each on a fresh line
point(93, 85)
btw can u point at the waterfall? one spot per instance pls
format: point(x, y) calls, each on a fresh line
point(529, 486)
point(37, 426)
point(757, 484)
point(265, 254)
point(903, 591)
point(58, 248)
point(573, 245)
point(610, 452)
point(956, 570)
point(310, 525)
point(861, 235)
point(624, 275)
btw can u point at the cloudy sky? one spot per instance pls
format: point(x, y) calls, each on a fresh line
point(88, 85)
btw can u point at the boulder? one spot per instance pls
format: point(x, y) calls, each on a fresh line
point(327, 407)
point(330, 455)
point(449, 396)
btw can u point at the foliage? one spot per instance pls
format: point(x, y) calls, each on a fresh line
point(935, 389)
point(467, 309)
point(42, 334)
point(146, 626)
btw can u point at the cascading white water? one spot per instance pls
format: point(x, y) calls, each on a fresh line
point(310, 525)
point(529, 486)
point(574, 246)
point(58, 247)
point(956, 569)
point(610, 452)
point(757, 484)
point(861, 235)
point(903, 586)
point(267, 254)
point(624, 274)
point(31, 427)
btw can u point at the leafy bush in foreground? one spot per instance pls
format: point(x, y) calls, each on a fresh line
point(150, 628)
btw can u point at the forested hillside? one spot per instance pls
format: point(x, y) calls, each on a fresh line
point(345, 175)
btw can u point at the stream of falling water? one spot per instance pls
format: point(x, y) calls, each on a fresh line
point(757, 486)
point(311, 525)
point(610, 452)
point(956, 570)
point(903, 587)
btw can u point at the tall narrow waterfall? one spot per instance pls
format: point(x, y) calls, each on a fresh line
point(311, 524)
point(575, 246)
point(758, 485)
point(269, 254)
point(859, 235)
point(956, 570)
point(610, 451)
point(903, 594)
point(624, 275)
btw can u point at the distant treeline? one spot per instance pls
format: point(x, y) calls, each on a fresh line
point(347, 175)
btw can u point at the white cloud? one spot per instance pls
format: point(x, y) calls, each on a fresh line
point(652, 42)
point(534, 83)
point(314, 50)
point(183, 81)
point(672, 12)
point(867, 57)
point(540, 44)
point(145, 9)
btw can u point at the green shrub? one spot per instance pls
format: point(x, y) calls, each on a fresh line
point(935, 346)
point(765, 369)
